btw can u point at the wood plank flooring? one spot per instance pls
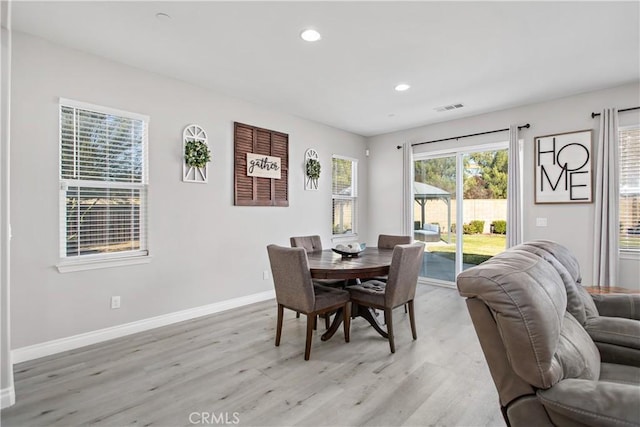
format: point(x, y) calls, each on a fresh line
point(225, 369)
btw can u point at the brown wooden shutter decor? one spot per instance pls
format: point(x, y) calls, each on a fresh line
point(256, 191)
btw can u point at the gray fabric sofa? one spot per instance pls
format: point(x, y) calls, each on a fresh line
point(544, 362)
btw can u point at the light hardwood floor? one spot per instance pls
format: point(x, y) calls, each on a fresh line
point(225, 368)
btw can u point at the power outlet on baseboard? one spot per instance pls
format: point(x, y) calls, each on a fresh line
point(115, 302)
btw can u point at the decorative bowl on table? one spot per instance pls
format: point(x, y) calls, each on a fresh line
point(349, 250)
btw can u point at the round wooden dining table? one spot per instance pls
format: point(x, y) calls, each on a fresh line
point(370, 263)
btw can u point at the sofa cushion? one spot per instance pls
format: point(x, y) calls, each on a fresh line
point(370, 292)
point(575, 302)
point(620, 305)
point(623, 374)
point(614, 330)
point(592, 403)
point(431, 227)
point(564, 256)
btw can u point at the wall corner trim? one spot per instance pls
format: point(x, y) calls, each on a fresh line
point(7, 397)
point(48, 348)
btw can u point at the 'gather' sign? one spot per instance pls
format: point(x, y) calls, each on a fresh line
point(263, 166)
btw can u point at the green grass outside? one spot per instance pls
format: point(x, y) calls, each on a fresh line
point(477, 248)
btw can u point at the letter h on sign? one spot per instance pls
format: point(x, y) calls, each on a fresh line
point(563, 172)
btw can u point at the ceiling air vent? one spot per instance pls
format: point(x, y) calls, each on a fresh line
point(448, 107)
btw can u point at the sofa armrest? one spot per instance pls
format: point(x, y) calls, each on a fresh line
point(589, 402)
point(618, 305)
point(614, 330)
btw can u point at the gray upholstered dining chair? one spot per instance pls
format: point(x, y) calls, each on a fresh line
point(314, 244)
point(389, 241)
point(309, 243)
point(400, 288)
point(296, 291)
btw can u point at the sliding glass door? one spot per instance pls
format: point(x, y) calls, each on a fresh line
point(484, 206)
point(460, 209)
point(434, 193)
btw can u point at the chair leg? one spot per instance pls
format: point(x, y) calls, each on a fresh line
point(279, 326)
point(327, 320)
point(315, 322)
point(311, 320)
point(388, 319)
point(297, 314)
point(346, 320)
point(412, 320)
point(405, 308)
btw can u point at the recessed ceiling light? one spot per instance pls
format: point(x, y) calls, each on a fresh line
point(163, 16)
point(310, 35)
point(402, 87)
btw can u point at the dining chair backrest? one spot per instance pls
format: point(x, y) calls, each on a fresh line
point(292, 278)
point(406, 262)
point(309, 243)
point(388, 241)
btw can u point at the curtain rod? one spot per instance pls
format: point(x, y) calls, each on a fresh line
point(594, 115)
point(466, 136)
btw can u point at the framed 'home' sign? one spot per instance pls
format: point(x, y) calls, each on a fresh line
point(261, 166)
point(563, 168)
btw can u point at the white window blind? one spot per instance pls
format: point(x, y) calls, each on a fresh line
point(629, 151)
point(103, 182)
point(344, 191)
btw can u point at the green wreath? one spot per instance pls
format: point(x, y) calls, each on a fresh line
point(313, 169)
point(196, 154)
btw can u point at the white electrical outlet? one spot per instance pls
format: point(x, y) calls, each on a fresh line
point(115, 302)
point(541, 222)
point(265, 275)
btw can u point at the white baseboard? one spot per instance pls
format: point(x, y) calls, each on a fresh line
point(436, 282)
point(7, 397)
point(76, 341)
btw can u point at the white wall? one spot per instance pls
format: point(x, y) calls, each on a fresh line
point(568, 224)
point(204, 249)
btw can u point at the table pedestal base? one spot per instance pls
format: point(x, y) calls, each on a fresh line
point(356, 311)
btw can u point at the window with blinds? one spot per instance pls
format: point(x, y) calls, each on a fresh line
point(629, 150)
point(103, 182)
point(344, 190)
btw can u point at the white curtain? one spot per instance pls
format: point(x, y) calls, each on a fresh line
point(514, 189)
point(407, 189)
point(605, 247)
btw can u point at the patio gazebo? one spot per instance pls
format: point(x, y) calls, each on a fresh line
point(424, 192)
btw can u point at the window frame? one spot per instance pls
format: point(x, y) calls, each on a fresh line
point(109, 259)
point(353, 197)
point(625, 253)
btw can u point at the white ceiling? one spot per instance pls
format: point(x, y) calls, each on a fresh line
point(487, 55)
